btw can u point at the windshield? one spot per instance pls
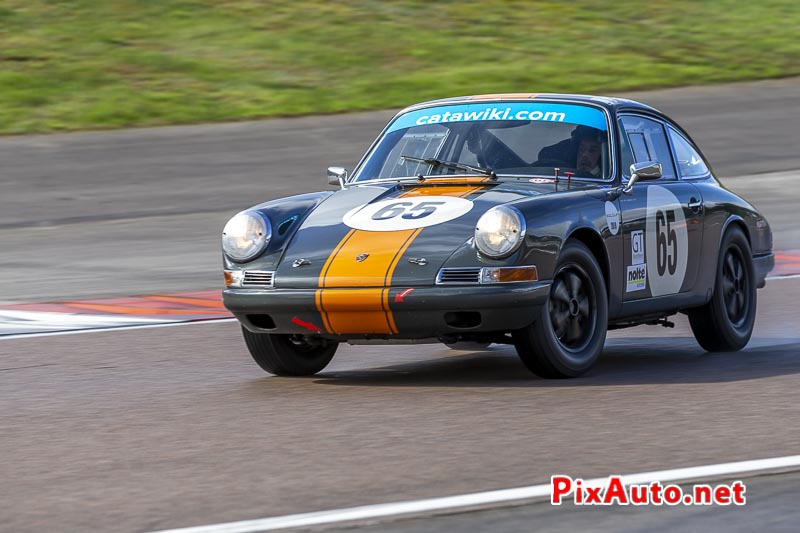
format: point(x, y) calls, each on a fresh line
point(511, 138)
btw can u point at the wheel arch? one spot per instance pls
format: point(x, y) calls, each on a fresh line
point(735, 221)
point(592, 240)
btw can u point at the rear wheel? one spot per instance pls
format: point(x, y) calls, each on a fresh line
point(289, 355)
point(726, 322)
point(569, 332)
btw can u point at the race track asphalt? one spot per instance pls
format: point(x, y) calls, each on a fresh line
point(149, 429)
point(157, 428)
point(772, 507)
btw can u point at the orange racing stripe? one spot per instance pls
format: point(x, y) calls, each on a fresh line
point(383, 248)
point(345, 306)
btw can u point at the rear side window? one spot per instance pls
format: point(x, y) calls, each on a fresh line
point(641, 140)
point(690, 164)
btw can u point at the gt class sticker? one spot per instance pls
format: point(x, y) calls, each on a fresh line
point(637, 247)
point(666, 241)
point(406, 213)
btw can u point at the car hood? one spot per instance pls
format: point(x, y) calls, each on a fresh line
point(392, 235)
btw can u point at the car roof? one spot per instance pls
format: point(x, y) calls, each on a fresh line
point(611, 103)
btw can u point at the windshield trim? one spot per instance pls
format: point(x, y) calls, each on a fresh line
point(430, 179)
point(436, 179)
point(609, 128)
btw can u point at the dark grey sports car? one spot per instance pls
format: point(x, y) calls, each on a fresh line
point(534, 220)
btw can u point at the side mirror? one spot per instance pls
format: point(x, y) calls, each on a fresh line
point(337, 176)
point(646, 170)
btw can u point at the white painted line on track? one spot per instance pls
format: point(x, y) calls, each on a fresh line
point(13, 322)
point(462, 501)
point(114, 328)
point(789, 276)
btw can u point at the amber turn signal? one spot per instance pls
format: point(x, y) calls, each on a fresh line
point(509, 274)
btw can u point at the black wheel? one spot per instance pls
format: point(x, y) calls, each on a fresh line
point(289, 355)
point(570, 329)
point(726, 322)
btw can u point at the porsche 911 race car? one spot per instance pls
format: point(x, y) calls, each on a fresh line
point(540, 221)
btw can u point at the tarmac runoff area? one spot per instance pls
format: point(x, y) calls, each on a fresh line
point(154, 429)
point(486, 510)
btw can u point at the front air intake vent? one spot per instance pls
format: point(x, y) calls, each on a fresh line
point(261, 278)
point(466, 275)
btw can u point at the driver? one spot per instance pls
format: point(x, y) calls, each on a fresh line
point(587, 162)
point(582, 151)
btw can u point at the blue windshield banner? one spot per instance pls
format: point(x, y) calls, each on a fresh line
point(501, 111)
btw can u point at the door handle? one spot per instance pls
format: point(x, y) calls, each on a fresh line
point(695, 205)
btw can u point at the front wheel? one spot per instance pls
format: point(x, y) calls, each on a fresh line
point(289, 355)
point(726, 322)
point(569, 332)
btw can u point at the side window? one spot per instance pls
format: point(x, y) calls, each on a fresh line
point(690, 164)
point(625, 152)
point(646, 141)
point(639, 145)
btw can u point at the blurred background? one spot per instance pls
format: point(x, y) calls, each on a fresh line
point(131, 130)
point(83, 64)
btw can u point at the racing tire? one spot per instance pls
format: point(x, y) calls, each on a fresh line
point(570, 329)
point(289, 355)
point(725, 323)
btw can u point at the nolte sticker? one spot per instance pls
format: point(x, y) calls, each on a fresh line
point(637, 247)
point(637, 278)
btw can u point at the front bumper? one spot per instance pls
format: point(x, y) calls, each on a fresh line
point(762, 265)
point(395, 313)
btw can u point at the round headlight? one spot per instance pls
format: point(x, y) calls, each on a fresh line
point(500, 231)
point(246, 235)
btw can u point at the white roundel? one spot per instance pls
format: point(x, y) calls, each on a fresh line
point(612, 218)
point(667, 243)
point(406, 213)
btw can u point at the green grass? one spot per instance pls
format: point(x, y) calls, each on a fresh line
point(111, 63)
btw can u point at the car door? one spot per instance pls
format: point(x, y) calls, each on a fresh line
point(661, 222)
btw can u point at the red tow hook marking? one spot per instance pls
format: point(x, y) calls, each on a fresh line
point(398, 298)
point(308, 325)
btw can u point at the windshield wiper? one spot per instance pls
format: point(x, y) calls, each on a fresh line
point(450, 164)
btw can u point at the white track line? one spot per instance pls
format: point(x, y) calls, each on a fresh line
point(790, 276)
point(114, 328)
point(462, 501)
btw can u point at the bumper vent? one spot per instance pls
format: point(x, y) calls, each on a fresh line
point(468, 275)
point(262, 278)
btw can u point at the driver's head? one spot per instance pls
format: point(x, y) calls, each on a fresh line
point(588, 144)
point(474, 141)
point(588, 160)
